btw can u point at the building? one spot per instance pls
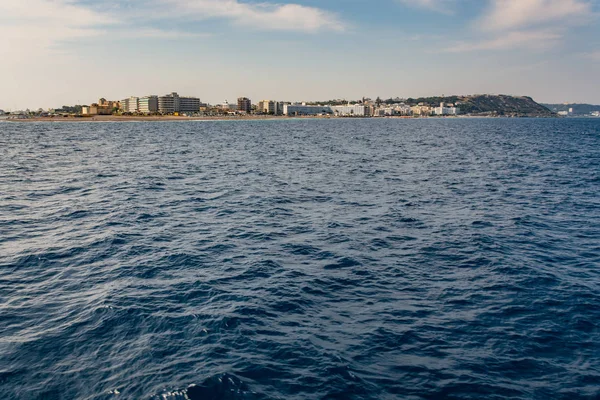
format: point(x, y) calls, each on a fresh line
point(2, 112)
point(244, 104)
point(303, 109)
point(130, 105)
point(443, 110)
point(168, 104)
point(357, 110)
point(270, 107)
point(226, 106)
point(102, 107)
point(148, 104)
point(173, 103)
point(421, 110)
point(189, 105)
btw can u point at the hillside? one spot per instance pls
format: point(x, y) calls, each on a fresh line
point(578, 109)
point(521, 106)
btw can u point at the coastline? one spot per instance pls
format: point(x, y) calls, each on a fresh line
point(171, 118)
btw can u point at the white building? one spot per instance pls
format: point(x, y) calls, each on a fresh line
point(402, 109)
point(227, 106)
point(443, 110)
point(2, 112)
point(303, 109)
point(357, 110)
point(130, 105)
point(148, 104)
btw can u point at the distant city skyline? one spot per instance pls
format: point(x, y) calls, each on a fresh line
point(65, 52)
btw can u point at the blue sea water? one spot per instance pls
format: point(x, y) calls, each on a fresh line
point(300, 259)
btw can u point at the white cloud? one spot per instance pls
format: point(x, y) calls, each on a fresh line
point(532, 40)
point(442, 6)
point(265, 16)
point(37, 25)
point(515, 14)
point(525, 24)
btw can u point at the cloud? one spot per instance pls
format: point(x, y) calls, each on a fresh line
point(263, 16)
point(441, 6)
point(515, 14)
point(37, 25)
point(532, 40)
point(525, 24)
point(594, 55)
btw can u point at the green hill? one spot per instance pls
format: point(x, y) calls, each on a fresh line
point(521, 106)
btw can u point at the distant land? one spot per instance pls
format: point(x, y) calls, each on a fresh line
point(484, 104)
point(502, 105)
point(466, 105)
point(578, 109)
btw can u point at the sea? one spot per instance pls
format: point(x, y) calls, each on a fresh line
point(300, 259)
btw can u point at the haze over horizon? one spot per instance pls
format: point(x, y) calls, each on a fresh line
point(59, 52)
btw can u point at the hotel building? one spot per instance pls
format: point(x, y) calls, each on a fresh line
point(148, 104)
point(173, 103)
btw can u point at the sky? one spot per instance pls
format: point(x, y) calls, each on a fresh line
point(64, 52)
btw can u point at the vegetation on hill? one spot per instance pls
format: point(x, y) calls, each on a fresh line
point(489, 104)
point(501, 105)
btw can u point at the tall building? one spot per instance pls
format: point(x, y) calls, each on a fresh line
point(168, 104)
point(244, 104)
point(173, 103)
point(189, 104)
point(148, 104)
point(130, 105)
point(270, 107)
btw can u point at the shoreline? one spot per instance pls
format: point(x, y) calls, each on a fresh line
point(171, 118)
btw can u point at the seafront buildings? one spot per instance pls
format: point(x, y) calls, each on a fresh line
point(174, 104)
